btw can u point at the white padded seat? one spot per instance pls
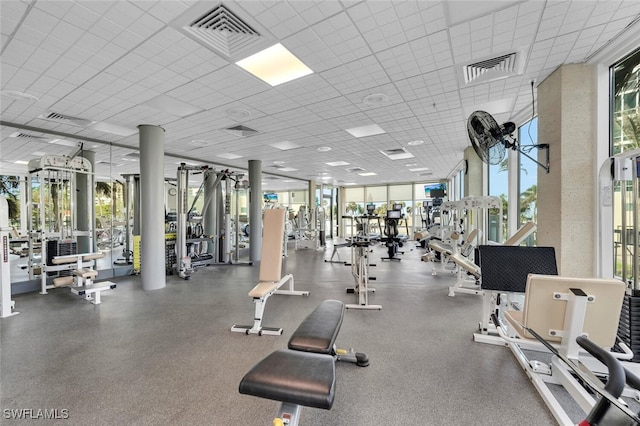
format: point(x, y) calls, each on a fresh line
point(85, 273)
point(466, 264)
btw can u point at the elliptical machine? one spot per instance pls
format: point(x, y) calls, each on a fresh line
point(391, 239)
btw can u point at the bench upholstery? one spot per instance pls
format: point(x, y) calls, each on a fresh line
point(319, 330)
point(300, 378)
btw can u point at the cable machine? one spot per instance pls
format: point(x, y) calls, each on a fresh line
point(53, 201)
point(207, 237)
point(131, 194)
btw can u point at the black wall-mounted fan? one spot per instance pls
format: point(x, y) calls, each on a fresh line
point(491, 140)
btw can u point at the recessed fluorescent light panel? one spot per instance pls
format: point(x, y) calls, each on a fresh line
point(113, 129)
point(368, 174)
point(287, 169)
point(419, 169)
point(21, 162)
point(362, 131)
point(337, 163)
point(275, 65)
point(284, 146)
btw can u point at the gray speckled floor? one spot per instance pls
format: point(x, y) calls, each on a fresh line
point(169, 357)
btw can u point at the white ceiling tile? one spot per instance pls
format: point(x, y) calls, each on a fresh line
point(81, 17)
point(54, 8)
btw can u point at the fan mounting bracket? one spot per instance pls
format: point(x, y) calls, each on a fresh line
point(545, 146)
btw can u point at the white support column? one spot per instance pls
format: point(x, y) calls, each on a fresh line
point(152, 207)
point(255, 210)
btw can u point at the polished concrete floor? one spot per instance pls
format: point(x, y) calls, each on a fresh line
point(168, 356)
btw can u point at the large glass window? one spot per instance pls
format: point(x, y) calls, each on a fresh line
point(402, 194)
point(10, 190)
point(498, 187)
point(626, 104)
point(625, 136)
point(528, 178)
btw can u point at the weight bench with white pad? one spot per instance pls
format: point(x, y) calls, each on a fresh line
point(296, 379)
point(270, 279)
point(318, 332)
point(84, 275)
point(84, 271)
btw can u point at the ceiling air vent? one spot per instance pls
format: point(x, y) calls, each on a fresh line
point(397, 154)
point(240, 130)
point(494, 68)
point(67, 119)
point(355, 169)
point(222, 30)
point(27, 137)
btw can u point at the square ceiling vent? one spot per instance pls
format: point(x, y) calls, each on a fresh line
point(355, 169)
point(397, 154)
point(492, 68)
point(242, 131)
point(222, 30)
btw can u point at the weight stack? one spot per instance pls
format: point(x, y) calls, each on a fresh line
point(60, 248)
point(629, 326)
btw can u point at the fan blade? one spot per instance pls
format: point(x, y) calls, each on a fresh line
point(486, 137)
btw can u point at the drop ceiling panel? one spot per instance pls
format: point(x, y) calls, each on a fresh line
point(104, 60)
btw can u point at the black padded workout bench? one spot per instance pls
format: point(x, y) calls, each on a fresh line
point(303, 374)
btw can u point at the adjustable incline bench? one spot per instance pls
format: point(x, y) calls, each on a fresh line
point(304, 374)
point(270, 279)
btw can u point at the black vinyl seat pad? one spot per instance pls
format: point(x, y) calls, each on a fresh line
point(506, 268)
point(318, 331)
point(295, 377)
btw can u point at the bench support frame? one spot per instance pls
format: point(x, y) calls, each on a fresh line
point(261, 300)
